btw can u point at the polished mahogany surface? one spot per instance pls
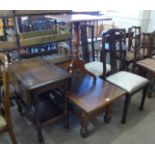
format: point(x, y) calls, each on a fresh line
point(36, 72)
point(147, 64)
point(89, 96)
point(33, 77)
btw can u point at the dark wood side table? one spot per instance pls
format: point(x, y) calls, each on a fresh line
point(34, 76)
point(148, 66)
point(92, 99)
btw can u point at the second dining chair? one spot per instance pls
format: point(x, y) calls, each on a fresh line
point(129, 82)
point(89, 55)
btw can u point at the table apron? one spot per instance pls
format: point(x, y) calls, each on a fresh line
point(36, 92)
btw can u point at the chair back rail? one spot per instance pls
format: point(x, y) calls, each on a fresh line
point(87, 31)
point(152, 44)
point(116, 40)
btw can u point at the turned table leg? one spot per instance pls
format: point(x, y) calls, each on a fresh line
point(66, 122)
point(37, 119)
point(84, 120)
point(107, 116)
point(76, 62)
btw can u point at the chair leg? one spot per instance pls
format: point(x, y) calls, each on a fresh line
point(19, 107)
point(143, 98)
point(127, 66)
point(134, 67)
point(12, 136)
point(126, 105)
point(150, 88)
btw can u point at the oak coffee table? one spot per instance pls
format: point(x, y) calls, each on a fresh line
point(92, 99)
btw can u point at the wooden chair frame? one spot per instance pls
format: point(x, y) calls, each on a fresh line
point(5, 109)
point(111, 38)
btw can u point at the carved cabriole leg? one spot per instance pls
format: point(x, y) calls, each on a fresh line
point(107, 116)
point(84, 120)
point(66, 122)
point(37, 118)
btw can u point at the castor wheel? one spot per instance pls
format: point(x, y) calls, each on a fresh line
point(107, 119)
point(84, 132)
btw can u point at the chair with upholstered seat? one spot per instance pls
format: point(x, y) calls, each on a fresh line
point(129, 82)
point(133, 40)
point(92, 64)
point(148, 64)
point(139, 46)
point(5, 115)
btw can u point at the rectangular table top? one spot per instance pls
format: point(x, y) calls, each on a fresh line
point(89, 96)
point(36, 72)
point(147, 64)
point(77, 18)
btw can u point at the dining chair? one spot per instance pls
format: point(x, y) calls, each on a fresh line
point(92, 59)
point(129, 82)
point(5, 114)
point(139, 47)
point(133, 32)
point(145, 45)
point(132, 39)
point(149, 66)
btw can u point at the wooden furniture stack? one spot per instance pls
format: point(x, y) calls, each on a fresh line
point(32, 79)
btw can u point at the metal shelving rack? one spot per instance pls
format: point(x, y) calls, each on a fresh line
point(34, 38)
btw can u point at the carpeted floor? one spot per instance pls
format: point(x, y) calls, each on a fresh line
point(140, 127)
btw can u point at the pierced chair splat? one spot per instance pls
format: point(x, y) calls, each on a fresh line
point(89, 55)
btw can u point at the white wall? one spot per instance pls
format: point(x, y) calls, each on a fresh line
point(151, 25)
point(126, 19)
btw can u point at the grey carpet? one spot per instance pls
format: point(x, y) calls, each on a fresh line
point(140, 127)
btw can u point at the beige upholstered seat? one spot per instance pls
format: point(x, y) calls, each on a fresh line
point(128, 81)
point(2, 122)
point(149, 64)
point(96, 68)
